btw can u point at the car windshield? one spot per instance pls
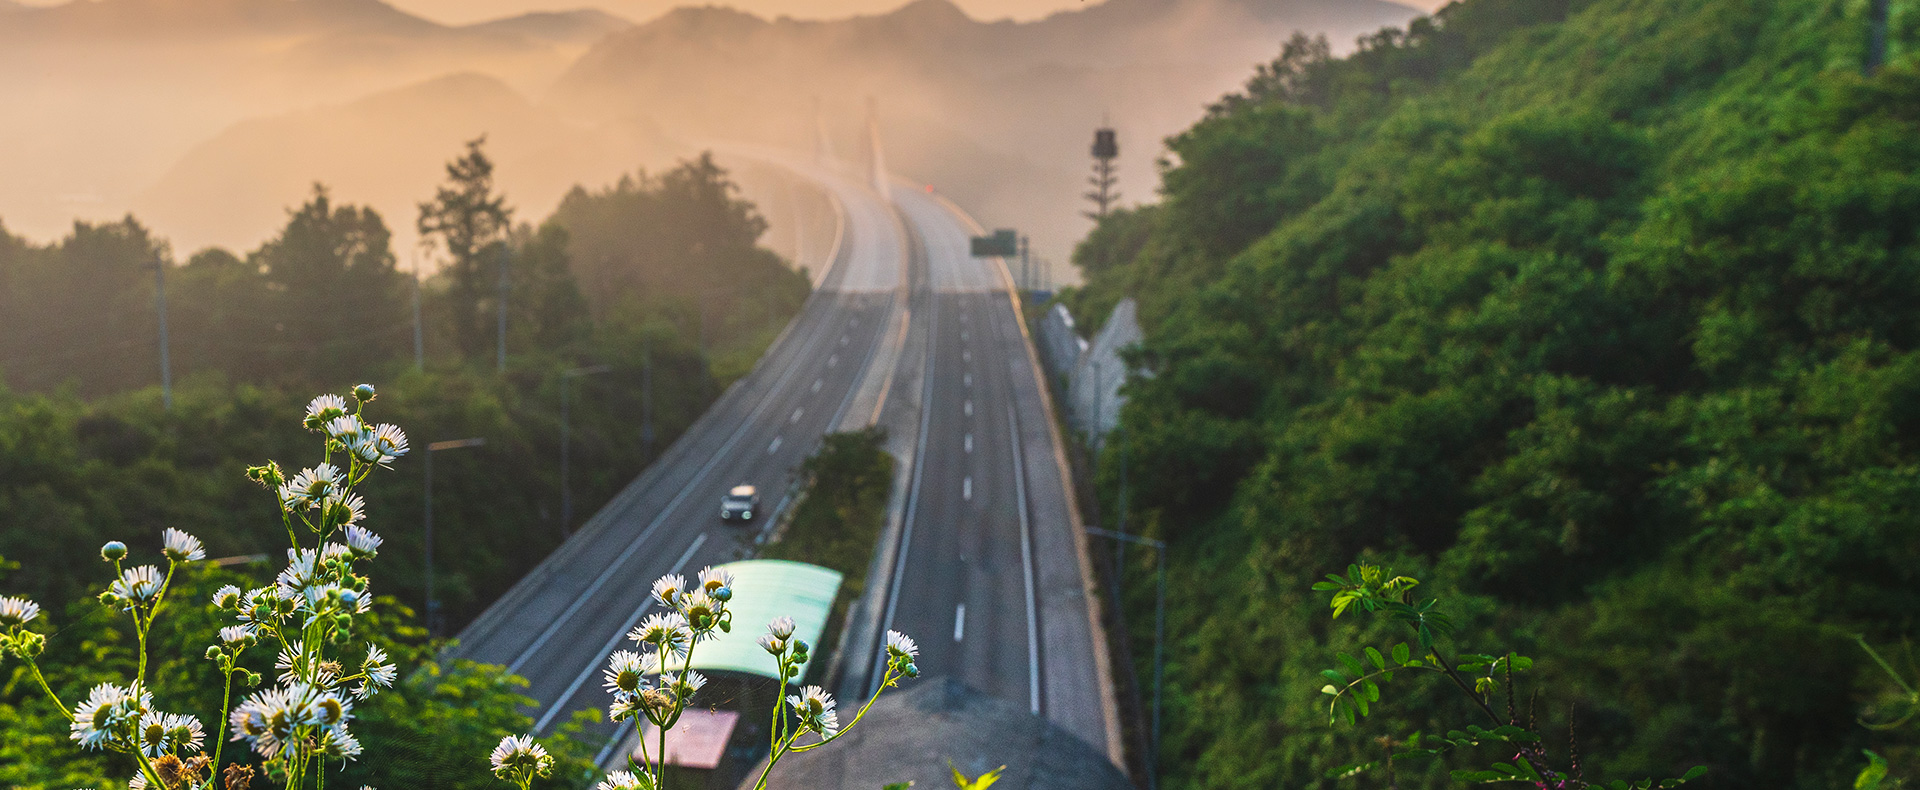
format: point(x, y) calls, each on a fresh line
point(738, 500)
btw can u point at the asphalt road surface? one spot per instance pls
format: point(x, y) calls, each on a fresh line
point(558, 624)
point(984, 565)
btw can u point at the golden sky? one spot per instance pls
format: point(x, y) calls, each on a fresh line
point(463, 11)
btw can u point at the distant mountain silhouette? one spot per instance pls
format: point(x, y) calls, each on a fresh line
point(583, 26)
point(998, 113)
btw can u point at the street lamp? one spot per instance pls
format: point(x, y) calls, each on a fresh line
point(1159, 639)
point(566, 433)
point(433, 606)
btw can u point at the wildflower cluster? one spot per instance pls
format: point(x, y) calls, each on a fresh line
point(306, 613)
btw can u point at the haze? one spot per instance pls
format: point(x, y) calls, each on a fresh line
point(207, 119)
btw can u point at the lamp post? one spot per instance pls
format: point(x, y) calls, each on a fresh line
point(1159, 639)
point(433, 606)
point(566, 435)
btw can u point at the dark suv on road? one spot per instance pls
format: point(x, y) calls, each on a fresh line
point(740, 503)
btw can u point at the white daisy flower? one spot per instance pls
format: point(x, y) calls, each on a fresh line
point(241, 635)
point(138, 782)
point(702, 612)
point(344, 427)
point(668, 588)
point(518, 757)
point(136, 586)
point(340, 745)
point(772, 644)
point(335, 551)
point(815, 707)
point(623, 707)
point(227, 597)
point(107, 710)
point(15, 612)
point(712, 578)
point(391, 440)
point(669, 628)
point(623, 780)
point(364, 543)
point(900, 645)
point(625, 672)
point(781, 627)
point(379, 670)
point(349, 509)
point(685, 687)
point(323, 409)
point(181, 547)
point(268, 718)
point(317, 483)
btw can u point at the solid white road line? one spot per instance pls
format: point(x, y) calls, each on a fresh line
point(959, 621)
point(561, 702)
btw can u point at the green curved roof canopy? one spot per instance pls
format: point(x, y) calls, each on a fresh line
point(762, 591)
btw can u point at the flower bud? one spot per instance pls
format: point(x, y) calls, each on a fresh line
point(800, 646)
point(113, 551)
point(911, 671)
point(251, 678)
point(29, 644)
point(349, 598)
point(723, 594)
point(363, 393)
point(214, 652)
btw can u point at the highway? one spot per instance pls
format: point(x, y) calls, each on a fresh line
point(990, 572)
point(983, 562)
point(559, 623)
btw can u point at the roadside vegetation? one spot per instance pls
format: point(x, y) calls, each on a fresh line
point(89, 452)
point(839, 517)
point(1599, 317)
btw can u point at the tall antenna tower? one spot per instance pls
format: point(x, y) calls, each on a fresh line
point(1106, 148)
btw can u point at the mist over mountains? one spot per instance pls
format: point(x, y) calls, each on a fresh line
point(208, 117)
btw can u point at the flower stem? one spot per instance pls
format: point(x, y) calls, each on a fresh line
point(35, 669)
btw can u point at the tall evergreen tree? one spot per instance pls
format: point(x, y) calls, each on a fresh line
point(470, 220)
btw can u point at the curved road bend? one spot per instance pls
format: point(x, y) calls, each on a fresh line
point(559, 623)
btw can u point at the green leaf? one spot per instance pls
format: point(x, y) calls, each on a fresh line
point(1379, 661)
point(1353, 665)
point(1870, 777)
point(1335, 676)
point(1401, 653)
point(1700, 770)
point(1326, 586)
point(1371, 690)
point(1330, 689)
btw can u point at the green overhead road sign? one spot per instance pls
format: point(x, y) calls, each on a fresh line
point(1002, 244)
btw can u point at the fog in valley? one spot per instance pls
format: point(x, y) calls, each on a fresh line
point(208, 119)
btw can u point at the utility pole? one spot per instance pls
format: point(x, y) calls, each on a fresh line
point(160, 310)
point(1876, 36)
point(1106, 148)
point(433, 606)
point(500, 308)
point(419, 335)
point(1159, 640)
point(566, 455)
point(1026, 266)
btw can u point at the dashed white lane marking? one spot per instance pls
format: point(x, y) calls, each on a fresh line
point(853, 322)
point(969, 408)
point(966, 488)
point(966, 356)
point(969, 442)
point(771, 448)
point(959, 621)
point(963, 335)
point(833, 360)
point(963, 318)
point(843, 340)
point(966, 380)
point(796, 415)
point(816, 385)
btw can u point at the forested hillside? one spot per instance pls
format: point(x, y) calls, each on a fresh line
point(1601, 316)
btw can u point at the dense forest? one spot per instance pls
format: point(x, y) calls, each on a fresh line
point(656, 270)
point(1602, 317)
